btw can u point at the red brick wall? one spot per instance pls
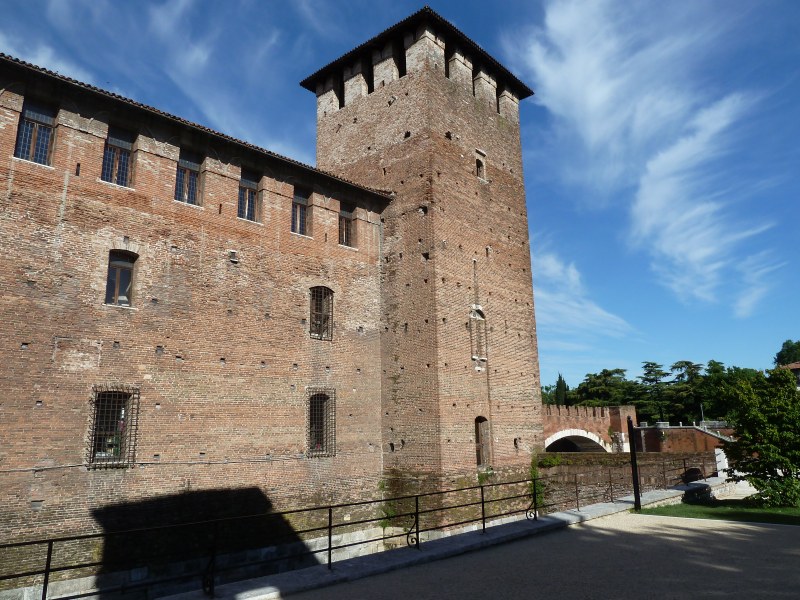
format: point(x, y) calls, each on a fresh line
point(451, 241)
point(677, 439)
point(224, 404)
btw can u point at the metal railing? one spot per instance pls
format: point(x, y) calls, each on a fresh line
point(226, 549)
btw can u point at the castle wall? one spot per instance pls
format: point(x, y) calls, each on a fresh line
point(456, 240)
point(219, 349)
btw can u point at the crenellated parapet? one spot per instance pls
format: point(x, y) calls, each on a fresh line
point(423, 42)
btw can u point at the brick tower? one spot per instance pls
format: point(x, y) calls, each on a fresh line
point(423, 112)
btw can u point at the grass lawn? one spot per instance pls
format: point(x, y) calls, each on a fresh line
point(729, 510)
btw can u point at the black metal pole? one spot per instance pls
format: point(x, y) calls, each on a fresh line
point(535, 499)
point(637, 498)
point(47, 569)
point(416, 519)
point(483, 511)
point(330, 536)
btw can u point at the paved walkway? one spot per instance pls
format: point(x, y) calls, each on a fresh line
point(623, 556)
point(609, 553)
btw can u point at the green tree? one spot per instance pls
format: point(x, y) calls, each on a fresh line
point(548, 394)
point(683, 394)
point(789, 353)
point(765, 414)
point(652, 379)
point(606, 388)
point(561, 390)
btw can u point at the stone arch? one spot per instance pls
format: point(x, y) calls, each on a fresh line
point(585, 441)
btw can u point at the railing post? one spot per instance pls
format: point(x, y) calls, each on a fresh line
point(577, 494)
point(416, 520)
point(535, 498)
point(664, 471)
point(47, 569)
point(704, 468)
point(330, 536)
point(208, 574)
point(637, 498)
point(611, 486)
point(483, 511)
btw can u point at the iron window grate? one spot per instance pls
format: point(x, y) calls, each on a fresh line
point(321, 422)
point(115, 420)
point(321, 315)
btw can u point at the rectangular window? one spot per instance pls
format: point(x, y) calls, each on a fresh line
point(187, 179)
point(115, 411)
point(248, 196)
point(321, 423)
point(346, 225)
point(119, 282)
point(35, 134)
point(300, 211)
point(117, 157)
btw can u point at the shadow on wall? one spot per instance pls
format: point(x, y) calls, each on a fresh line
point(201, 538)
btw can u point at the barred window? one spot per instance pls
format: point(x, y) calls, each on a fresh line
point(117, 156)
point(300, 211)
point(248, 196)
point(187, 179)
point(321, 423)
point(35, 134)
point(119, 283)
point(115, 411)
point(346, 225)
point(321, 313)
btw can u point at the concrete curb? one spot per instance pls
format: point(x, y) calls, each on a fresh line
point(282, 584)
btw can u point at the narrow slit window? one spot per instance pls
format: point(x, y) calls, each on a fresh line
point(35, 134)
point(482, 437)
point(321, 317)
point(117, 157)
point(187, 178)
point(477, 328)
point(119, 283)
point(248, 207)
point(114, 426)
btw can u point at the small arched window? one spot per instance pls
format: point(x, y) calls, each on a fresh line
point(482, 438)
point(480, 169)
point(119, 283)
point(321, 313)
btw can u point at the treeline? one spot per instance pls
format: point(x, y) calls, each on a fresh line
point(688, 392)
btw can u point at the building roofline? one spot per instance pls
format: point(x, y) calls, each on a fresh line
point(424, 14)
point(105, 94)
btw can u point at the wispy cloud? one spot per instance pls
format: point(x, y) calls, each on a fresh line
point(43, 55)
point(640, 126)
point(563, 305)
point(755, 272)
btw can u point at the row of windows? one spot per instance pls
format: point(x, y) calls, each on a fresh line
point(115, 412)
point(36, 134)
point(119, 284)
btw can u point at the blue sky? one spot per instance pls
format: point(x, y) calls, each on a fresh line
point(661, 149)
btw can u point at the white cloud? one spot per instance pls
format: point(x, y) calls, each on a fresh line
point(635, 123)
point(755, 271)
point(45, 56)
point(563, 306)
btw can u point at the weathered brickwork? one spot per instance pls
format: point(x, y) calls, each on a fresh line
point(455, 242)
point(218, 338)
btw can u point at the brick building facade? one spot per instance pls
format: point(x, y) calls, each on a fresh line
point(185, 311)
